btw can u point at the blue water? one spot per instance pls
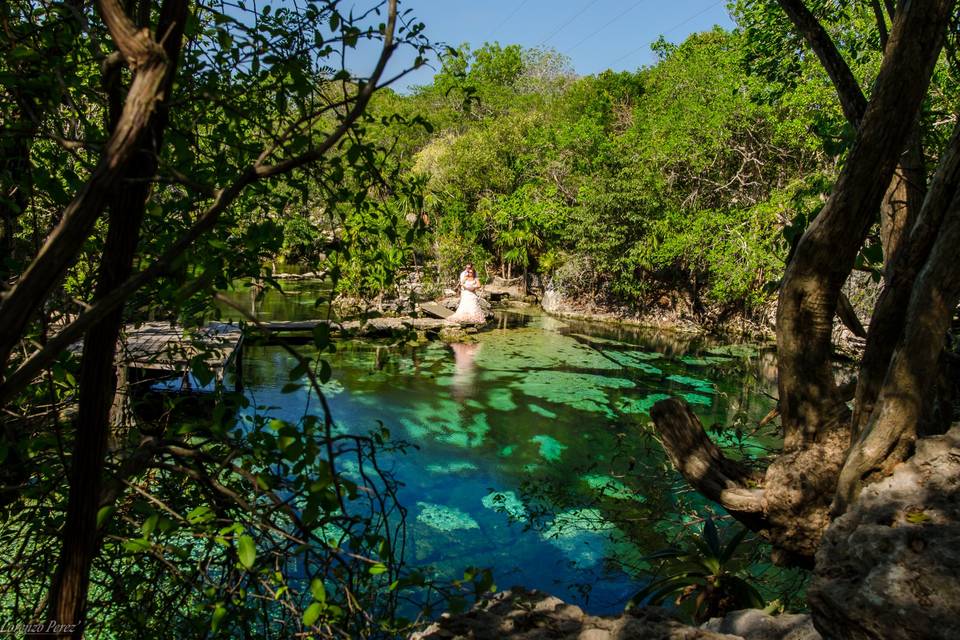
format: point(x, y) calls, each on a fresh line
point(534, 454)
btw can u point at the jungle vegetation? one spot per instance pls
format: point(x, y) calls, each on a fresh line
point(155, 151)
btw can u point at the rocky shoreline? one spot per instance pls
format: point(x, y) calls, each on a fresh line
point(520, 614)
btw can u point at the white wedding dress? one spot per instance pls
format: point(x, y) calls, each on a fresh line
point(469, 310)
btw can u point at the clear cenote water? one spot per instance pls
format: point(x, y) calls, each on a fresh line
point(534, 453)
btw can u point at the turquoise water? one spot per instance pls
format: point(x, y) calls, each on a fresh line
point(533, 451)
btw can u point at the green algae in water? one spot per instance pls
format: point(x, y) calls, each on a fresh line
point(735, 350)
point(612, 488)
point(603, 341)
point(696, 398)
point(505, 502)
point(530, 348)
point(443, 518)
point(703, 361)
point(472, 435)
point(550, 448)
point(332, 388)
point(644, 355)
point(625, 359)
point(454, 467)
point(501, 399)
point(583, 391)
point(442, 421)
point(641, 405)
point(537, 409)
point(507, 451)
point(415, 430)
point(704, 386)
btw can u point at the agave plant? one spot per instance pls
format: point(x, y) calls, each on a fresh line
point(701, 580)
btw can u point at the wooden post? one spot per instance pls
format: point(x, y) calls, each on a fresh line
point(238, 367)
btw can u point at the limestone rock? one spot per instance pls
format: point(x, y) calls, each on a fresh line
point(753, 624)
point(456, 333)
point(890, 567)
point(519, 614)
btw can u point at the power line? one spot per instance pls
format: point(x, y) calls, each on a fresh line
point(612, 20)
point(673, 28)
point(567, 23)
point(507, 19)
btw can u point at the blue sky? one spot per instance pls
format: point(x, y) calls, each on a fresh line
point(595, 34)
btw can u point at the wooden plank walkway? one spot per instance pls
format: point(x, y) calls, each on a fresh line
point(160, 346)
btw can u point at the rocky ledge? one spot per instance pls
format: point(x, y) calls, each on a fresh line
point(519, 614)
point(890, 567)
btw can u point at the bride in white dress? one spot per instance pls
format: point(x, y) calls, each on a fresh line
point(469, 310)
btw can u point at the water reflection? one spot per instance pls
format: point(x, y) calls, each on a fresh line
point(297, 299)
point(464, 369)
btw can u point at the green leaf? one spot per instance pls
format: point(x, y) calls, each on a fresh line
point(200, 515)
point(325, 371)
point(321, 336)
point(149, 525)
point(218, 613)
point(104, 514)
point(731, 547)
point(318, 590)
point(711, 537)
point(247, 551)
point(377, 569)
point(136, 545)
point(312, 613)
point(300, 370)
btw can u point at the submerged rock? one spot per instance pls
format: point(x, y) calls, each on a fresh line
point(890, 567)
point(506, 502)
point(444, 518)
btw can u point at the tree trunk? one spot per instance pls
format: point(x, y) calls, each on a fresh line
point(889, 314)
point(826, 252)
point(903, 200)
point(704, 466)
point(907, 390)
point(904, 197)
point(799, 485)
point(815, 418)
point(127, 203)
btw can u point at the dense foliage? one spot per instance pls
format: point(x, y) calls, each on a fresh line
point(259, 144)
point(680, 176)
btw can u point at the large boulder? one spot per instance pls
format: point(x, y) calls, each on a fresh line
point(890, 567)
point(754, 624)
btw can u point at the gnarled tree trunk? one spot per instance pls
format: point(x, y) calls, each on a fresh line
point(799, 485)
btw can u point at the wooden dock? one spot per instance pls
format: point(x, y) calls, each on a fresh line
point(158, 350)
point(159, 347)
